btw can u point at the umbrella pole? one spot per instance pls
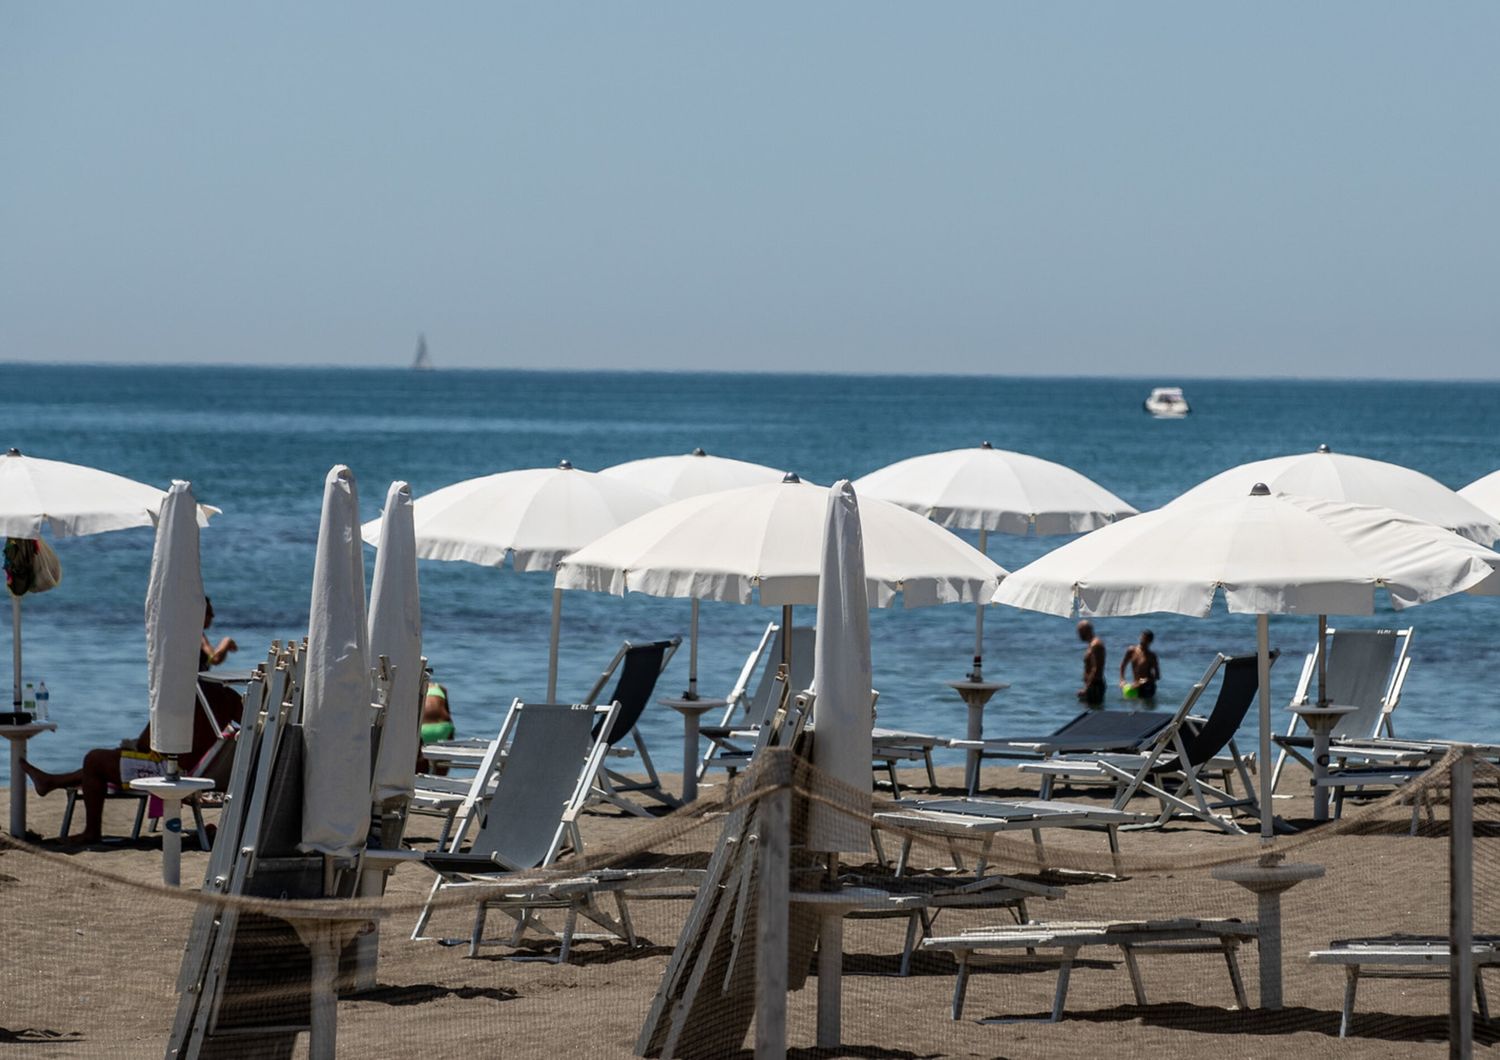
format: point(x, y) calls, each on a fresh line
point(978, 672)
point(1322, 660)
point(692, 688)
point(1263, 665)
point(15, 649)
point(552, 651)
point(786, 639)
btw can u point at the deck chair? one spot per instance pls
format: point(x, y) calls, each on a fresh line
point(554, 753)
point(1367, 670)
point(1181, 753)
point(640, 666)
point(1098, 731)
point(731, 743)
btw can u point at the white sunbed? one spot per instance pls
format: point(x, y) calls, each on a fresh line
point(1403, 957)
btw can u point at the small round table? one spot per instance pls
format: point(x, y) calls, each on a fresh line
point(18, 735)
point(691, 710)
point(1266, 880)
point(976, 695)
point(171, 791)
point(1321, 721)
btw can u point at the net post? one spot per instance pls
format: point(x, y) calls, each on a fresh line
point(1461, 905)
point(772, 927)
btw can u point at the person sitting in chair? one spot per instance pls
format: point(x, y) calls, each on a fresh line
point(437, 724)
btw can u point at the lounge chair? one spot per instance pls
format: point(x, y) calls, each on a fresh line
point(1099, 731)
point(1180, 753)
point(1403, 957)
point(731, 743)
point(555, 752)
point(1135, 938)
point(1366, 670)
point(639, 667)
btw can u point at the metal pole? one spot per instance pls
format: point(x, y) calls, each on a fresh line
point(1461, 907)
point(978, 672)
point(692, 688)
point(1263, 665)
point(771, 926)
point(786, 639)
point(552, 653)
point(1322, 660)
point(15, 652)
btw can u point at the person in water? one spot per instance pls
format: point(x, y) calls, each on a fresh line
point(1092, 692)
point(437, 724)
point(101, 766)
point(1145, 669)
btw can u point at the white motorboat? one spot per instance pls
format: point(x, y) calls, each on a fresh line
point(1167, 403)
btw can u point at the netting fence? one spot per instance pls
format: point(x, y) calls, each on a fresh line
point(670, 919)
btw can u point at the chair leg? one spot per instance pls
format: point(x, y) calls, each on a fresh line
point(67, 821)
point(140, 815)
point(202, 829)
point(1232, 959)
point(1134, 969)
point(960, 985)
point(879, 847)
point(426, 913)
point(1479, 997)
point(625, 922)
point(1351, 984)
point(480, 914)
point(567, 936)
point(931, 774)
point(1063, 973)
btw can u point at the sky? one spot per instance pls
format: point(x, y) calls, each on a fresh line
point(1045, 188)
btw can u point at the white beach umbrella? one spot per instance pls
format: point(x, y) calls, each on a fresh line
point(174, 623)
point(842, 711)
point(1343, 477)
point(396, 633)
point(1484, 493)
point(989, 489)
point(765, 543)
point(336, 693)
point(536, 516)
point(68, 500)
point(1268, 553)
point(691, 474)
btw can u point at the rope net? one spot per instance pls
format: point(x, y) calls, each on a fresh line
point(101, 959)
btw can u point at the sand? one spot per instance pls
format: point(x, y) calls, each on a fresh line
point(90, 960)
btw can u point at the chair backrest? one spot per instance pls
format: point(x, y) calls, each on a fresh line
point(761, 700)
point(1237, 689)
point(549, 749)
point(1111, 728)
point(1363, 669)
point(640, 666)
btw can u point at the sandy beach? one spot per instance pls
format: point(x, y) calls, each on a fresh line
point(93, 946)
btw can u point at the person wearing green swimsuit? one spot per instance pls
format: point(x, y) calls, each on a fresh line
point(437, 724)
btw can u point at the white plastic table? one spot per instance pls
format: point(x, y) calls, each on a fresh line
point(1321, 721)
point(691, 710)
point(18, 735)
point(976, 696)
point(171, 791)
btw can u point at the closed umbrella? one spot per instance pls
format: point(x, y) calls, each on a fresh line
point(396, 633)
point(174, 623)
point(69, 500)
point(536, 516)
point(1267, 553)
point(336, 692)
point(1360, 480)
point(989, 489)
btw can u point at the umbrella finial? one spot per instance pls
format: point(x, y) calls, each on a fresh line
point(985, 445)
point(791, 477)
point(698, 451)
point(565, 465)
point(1260, 489)
point(1324, 448)
point(13, 451)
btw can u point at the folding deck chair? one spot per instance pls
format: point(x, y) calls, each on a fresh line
point(731, 743)
point(1366, 670)
point(640, 666)
point(1101, 731)
point(1182, 751)
point(555, 752)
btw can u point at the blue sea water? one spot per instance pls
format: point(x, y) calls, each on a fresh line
point(257, 442)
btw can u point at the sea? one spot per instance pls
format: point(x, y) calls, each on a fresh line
point(258, 441)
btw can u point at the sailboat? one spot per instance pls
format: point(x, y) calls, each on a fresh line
point(423, 360)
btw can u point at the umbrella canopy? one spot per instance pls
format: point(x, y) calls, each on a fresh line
point(1484, 493)
point(1269, 553)
point(174, 623)
point(70, 500)
point(396, 633)
point(766, 542)
point(985, 488)
point(536, 516)
point(1360, 480)
point(842, 711)
point(691, 474)
point(336, 691)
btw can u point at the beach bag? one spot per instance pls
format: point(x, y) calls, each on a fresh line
point(136, 765)
point(30, 566)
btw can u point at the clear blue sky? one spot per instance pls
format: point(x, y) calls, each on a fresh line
point(1187, 188)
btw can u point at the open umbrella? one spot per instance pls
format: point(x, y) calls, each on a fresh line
point(1344, 477)
point(69, 500)
point(536, 516)
point(336, 692)
point(396, 633)
point(1484, 493)
point(1268, 553)
point(989, 489)
point(765, 543)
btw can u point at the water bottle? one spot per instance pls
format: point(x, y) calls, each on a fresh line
point(43, 698)
point(28, 701)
